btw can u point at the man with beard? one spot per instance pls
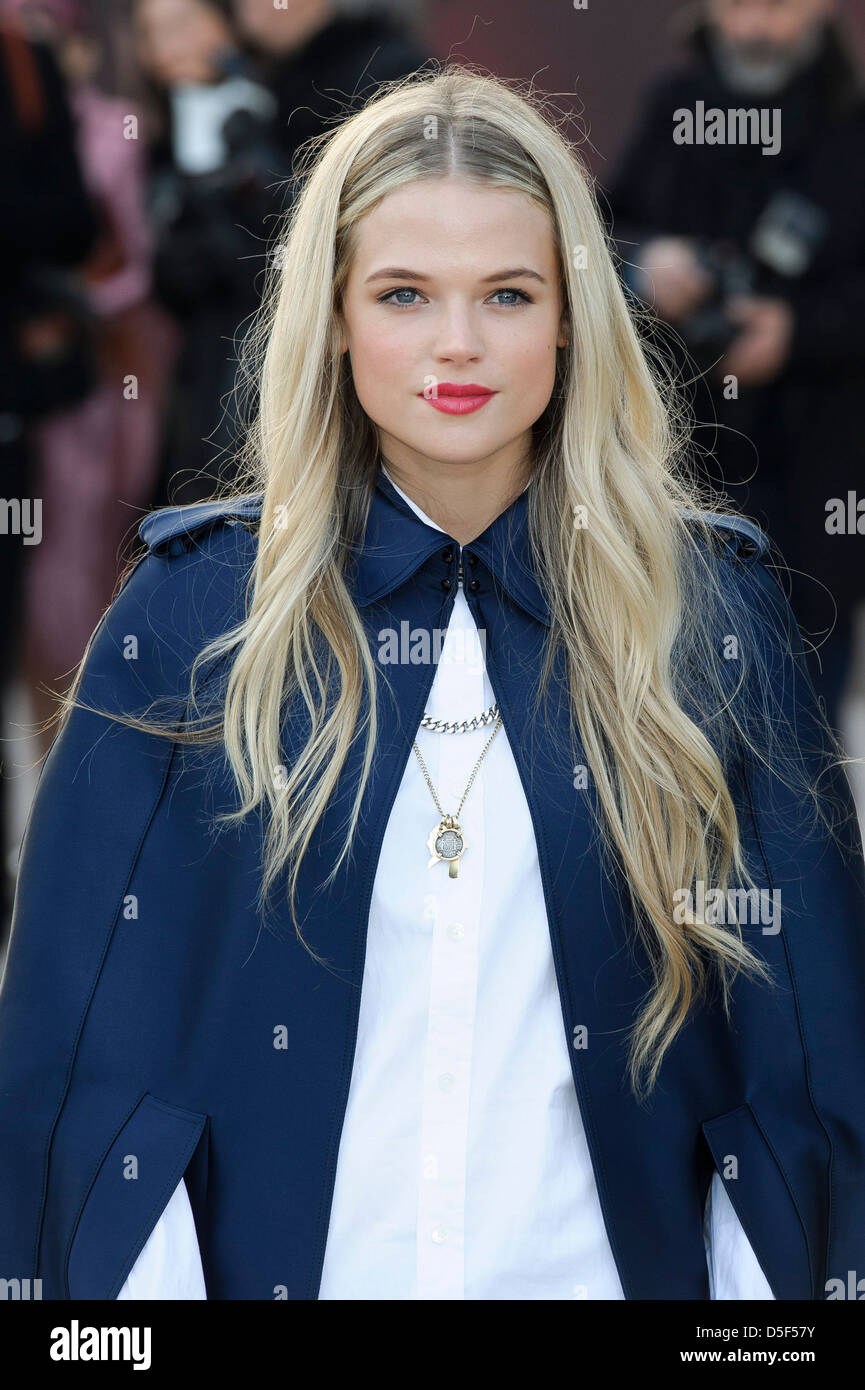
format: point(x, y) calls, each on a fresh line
point(753, 250)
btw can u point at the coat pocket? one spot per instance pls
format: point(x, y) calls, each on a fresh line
point(763, 1201)
point(130, 1191)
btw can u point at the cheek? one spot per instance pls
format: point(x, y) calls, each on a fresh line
point(533, 367)
point(379, 358)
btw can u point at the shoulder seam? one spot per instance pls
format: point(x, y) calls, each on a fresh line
point(171, 530)
point(739, 535)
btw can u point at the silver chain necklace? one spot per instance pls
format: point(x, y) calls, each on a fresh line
point(447, 842)
point(460, 726)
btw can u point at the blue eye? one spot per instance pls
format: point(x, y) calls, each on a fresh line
point(387, 298)
point(522, 294)
point(407, 289)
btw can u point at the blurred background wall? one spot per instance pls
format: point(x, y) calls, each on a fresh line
point(606, 55)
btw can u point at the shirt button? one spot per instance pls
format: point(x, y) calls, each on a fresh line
point(456, 931)
point(439, 1235)
point(447, 1081)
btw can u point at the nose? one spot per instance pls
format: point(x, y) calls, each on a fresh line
point(458, 335)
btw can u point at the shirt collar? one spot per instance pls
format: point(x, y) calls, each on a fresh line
point(400, 539)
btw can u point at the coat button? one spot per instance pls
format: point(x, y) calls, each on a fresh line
point(447, 556)
point(471, 557)
point(474, 586)
point(446, 584)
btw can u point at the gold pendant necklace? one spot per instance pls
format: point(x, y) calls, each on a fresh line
point(447, 842)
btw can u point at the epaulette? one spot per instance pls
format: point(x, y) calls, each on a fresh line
point(744, 538)
point(171, 530)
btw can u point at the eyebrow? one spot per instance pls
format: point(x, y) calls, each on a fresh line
point(396, 272)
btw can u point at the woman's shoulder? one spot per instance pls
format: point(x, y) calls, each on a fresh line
point(189, 586)
point(735, 586)
point(739, 565)
point(741, 623)
point(736, 535)
point(175, 530)
point(197, 562)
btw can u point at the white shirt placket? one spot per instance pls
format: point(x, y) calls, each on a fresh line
point(455, 905)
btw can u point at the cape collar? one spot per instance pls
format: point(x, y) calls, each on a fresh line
point(398, 543)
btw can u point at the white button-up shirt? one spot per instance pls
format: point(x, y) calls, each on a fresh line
point(463, 1169)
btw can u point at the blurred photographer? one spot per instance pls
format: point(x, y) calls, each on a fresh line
point(322, 62)
point(216, 177)
point(739, 212)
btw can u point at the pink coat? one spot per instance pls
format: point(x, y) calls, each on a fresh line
point(95, 464)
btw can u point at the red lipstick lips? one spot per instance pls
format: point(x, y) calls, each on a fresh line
point(458, 398)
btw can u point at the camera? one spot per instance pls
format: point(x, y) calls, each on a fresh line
point(781, 248)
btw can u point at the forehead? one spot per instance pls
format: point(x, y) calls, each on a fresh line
point(447, 220)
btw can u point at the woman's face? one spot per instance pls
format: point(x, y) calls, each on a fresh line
point(434, 299)
point(181, 40)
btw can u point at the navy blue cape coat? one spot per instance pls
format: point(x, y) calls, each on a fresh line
point(143, 995)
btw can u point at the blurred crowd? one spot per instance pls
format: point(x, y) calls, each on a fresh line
point(133, 249)
point(133, 242)
point(753, 251)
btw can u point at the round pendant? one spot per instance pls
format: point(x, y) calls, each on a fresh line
point(449, 844)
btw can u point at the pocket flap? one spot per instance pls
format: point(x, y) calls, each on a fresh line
point(131, 1189)
point(762, 1200)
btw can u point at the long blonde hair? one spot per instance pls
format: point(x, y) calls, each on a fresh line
point(628, 592)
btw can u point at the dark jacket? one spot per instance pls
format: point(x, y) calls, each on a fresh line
point(143, 988)
point(336, 72)
point(803, 431)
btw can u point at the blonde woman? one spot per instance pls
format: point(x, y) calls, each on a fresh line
point(443, 885)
